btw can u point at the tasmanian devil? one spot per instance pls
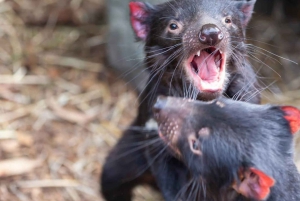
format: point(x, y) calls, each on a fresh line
point(235, 151)
point(194, 49)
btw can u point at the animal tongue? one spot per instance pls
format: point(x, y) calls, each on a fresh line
point(207, 68)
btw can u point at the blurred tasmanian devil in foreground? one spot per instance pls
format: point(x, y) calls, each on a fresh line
point(235, 151)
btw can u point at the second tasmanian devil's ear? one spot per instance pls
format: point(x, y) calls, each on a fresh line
point(254, 184)
point(292, 115)
point(245, 8)
point(139, 14)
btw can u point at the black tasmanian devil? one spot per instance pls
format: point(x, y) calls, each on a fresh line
point(235, 151)
point(194, 49)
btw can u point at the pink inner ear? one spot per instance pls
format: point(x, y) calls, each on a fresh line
point(138, 14)
point(247, 9)
point(261, 188)
point(255, 184)
point(292, 115)
point(264, 180)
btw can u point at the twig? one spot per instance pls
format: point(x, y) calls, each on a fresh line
point(88, 96)
point(73, 88)
point(17, 166)
point(47, 183)
point(7, 134)
point(72, 115)
point(10, 116)
point(87, 191)
point(14, 97)
point(19, 194)
point(73, 194)
point(29, 79)
point(71, 62)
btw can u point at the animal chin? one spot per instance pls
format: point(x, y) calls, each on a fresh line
point(163, 136)
point(165, 133)
point(169, 137)
point(206, 68)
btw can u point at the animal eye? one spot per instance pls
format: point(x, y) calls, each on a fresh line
point(173, 26)
point(195, 145)
point(227, 20)
point(252, 175)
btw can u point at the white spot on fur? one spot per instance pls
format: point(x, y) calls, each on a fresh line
point(220, 104)
point(151, 124)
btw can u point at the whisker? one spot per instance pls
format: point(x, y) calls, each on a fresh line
point(149, 164)
point(133, 150)
point(251, 56)
point(274, 54)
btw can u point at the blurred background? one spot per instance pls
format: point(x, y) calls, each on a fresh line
point(68, 74)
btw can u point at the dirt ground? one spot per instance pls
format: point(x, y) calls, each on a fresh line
point(62, 110)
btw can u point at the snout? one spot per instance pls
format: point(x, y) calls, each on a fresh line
point(169, 119)
point(210, 34)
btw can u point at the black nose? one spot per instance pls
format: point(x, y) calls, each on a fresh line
point(160, 103)
point(210, 34)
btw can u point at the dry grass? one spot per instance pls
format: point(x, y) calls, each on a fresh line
point(61, 110)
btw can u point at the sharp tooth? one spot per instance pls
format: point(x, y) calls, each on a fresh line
point(220, 52)
point(218, 58)
point(218, 64)
point(198, 53)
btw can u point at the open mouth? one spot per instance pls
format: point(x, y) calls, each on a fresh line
point(207, 69)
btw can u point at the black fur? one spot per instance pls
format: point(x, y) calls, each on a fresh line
point(237, 134)
point(146, 161)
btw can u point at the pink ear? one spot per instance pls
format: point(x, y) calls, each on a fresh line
point(246, 8)
point(261, 189)
point(256, 184)
point(138, 15)
point(292, 115)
